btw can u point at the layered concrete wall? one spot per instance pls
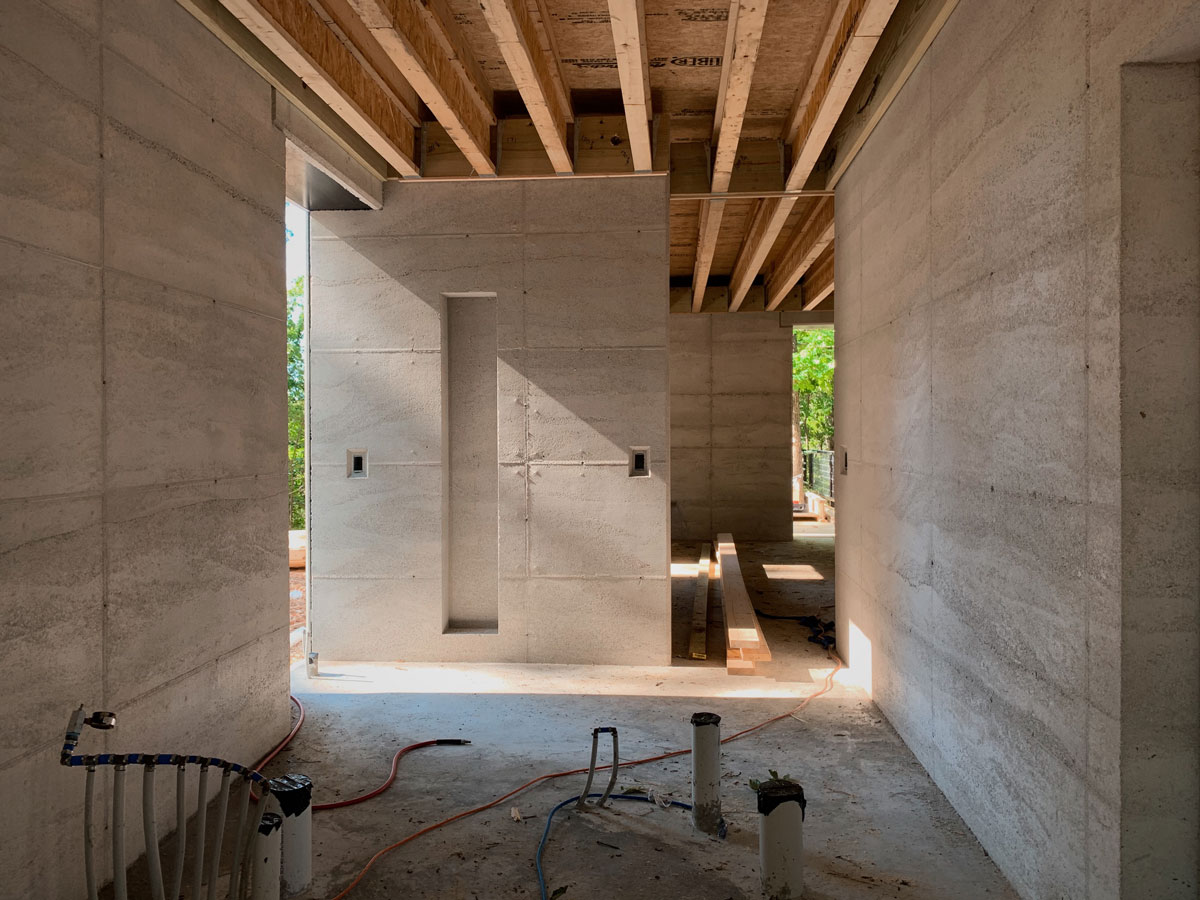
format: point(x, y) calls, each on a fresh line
point(143, 502)
point(1016, 331)
point(497, 348)
point(731, 437)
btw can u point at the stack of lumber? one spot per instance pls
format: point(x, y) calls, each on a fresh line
point(698, 645)
point(745, 645)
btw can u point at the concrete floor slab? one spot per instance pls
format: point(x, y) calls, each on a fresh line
point(876, 825)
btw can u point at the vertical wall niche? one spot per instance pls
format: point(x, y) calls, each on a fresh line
point(470, 464)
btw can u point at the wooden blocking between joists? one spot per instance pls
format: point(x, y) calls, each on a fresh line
point(745, 645)
point(698, 647)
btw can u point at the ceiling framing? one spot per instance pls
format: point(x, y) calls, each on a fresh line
point(755, 107)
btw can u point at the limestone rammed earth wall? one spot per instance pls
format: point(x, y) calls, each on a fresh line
point(731, 436)
point(497, 348)
point(143, 497)
point(1017, 326)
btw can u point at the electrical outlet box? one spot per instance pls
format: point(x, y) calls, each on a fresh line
point(356, 463)
point(639, 462)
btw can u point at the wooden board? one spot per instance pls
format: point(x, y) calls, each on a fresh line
point(699, 640)
point(742, 631)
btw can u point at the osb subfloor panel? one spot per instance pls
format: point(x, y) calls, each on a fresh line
point(876, 826)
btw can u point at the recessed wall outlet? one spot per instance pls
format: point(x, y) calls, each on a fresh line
point(356, 463)
point(639, 462)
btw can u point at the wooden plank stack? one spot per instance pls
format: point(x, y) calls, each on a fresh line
point(698, 647)
point(745, 645)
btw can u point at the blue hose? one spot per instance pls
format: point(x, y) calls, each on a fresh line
point(645, 798)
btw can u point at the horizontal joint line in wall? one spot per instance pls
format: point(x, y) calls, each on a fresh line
point(384, 350)
point(37, 248)
point(50, 498)
point(579, 463)
point(614, 578)
point(591, 349)
point(375, 463)
point(176, 679)
point(219, 479)
point(368, 577)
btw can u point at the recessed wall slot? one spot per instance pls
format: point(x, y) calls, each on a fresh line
point(356, 463)
point(639, 462)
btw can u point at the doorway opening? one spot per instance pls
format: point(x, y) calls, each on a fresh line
point(813, 456)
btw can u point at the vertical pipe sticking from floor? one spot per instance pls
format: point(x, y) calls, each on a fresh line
point(781, 839)
point(292, 798)
point(706, 772)
point(89, 860)
point(150, 831)
point(120, 892)
point(239, 841)
point(266, 858)
point(214, 868)
point(180, 829)
point(201, 827)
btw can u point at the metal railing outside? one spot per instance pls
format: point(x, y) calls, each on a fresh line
point(818, 472)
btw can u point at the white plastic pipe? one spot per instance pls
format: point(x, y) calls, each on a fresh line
point(120, 892)
point(89, 862)
point(239, 841)
point(706, 772)
point(201, 827)
point(781, 839)
point(180, 829)
point(291, 797)
point(150, 831)
point(265, 864)
point(214, 868)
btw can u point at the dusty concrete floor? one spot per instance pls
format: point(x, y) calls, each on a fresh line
point(876, 826)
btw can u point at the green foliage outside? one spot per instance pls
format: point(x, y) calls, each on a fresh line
point(812, 388)
point(295, 373)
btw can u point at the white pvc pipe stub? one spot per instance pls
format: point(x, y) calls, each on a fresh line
point(264, 865)
point(781, 839)
point(291, 795)
point(706, 772)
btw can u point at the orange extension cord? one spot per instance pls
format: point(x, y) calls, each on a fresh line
point(826, 687)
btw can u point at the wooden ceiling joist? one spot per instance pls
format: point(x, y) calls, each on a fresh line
point(854, 37)
point(912, 28)
point(806, 245)
point(513, 27)
point(420, 44)
point(628, 20)
point(818, 282)
point(296, 33)
point(339, 16)
point(742, 38)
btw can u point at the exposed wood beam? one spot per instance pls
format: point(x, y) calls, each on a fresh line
point(742, 37)
point(441, 21)
point(628, 20)
point(345, 23)
point(690, 197)
point(711, 212)
point(808, 243)
point(912, 28)
point(818, 283)
point(294, 32)
point(515, 32)
point(416, 41)
point(837, 14)
point(833, 79)
point(661, 157)
point(226, 27)
point(554, 57)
